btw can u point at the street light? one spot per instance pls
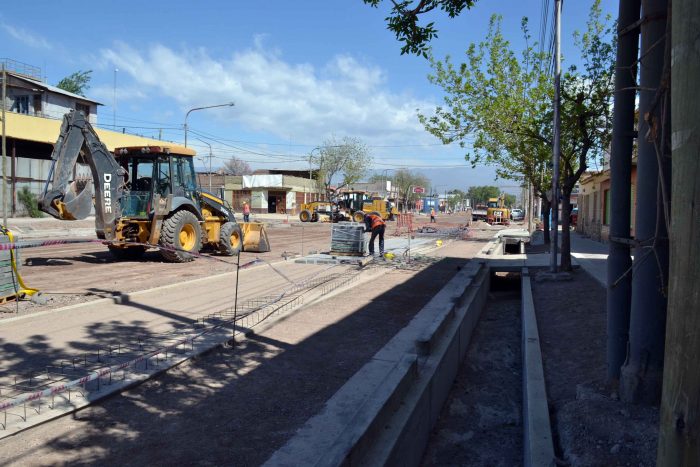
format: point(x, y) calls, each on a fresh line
point(230, 104)
point(210, 156)
point(114, 106)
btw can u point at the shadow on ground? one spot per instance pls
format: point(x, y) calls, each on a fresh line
point(234, 406)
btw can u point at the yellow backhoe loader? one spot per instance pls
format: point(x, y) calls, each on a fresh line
point(143, 196)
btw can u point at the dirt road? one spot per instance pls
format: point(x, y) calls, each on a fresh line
point(236, 406)
point(69, 274)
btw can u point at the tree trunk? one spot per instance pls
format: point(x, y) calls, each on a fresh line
point(546, 206)
point(679, 430)
point(565, 259)
point(641, 375)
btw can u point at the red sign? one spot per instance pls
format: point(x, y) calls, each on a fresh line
point(418, 189)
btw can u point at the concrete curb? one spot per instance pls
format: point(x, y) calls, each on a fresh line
point(537, 432)
point(383, 415)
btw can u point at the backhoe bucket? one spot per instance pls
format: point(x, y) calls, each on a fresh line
point(254, 237)
point(77, 203)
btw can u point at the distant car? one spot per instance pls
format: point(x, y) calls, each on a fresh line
point(517, 214)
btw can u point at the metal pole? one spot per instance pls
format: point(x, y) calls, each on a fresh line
point(641, 375)
point(114, 106)
point(230, 104)
point(210, 157)
point(235, 300)
point(529, 207)
point(619, 297)
point(557, 135)
point(4, 148)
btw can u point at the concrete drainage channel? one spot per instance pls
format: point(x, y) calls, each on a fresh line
point(385, 413)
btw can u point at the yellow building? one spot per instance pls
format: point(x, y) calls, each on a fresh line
point(33, 113)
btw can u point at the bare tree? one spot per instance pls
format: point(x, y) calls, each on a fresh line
point(236, 166)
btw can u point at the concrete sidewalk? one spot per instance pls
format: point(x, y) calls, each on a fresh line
point(592, 256)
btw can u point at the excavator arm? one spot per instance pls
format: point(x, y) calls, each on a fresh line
point(68, 199)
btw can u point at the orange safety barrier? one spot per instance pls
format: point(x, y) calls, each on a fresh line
point(404, 223)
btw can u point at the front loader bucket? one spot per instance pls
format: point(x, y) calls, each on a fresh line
point(255, 237)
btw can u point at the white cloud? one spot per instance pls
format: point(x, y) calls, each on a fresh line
point(26, 37)
point(343, 97)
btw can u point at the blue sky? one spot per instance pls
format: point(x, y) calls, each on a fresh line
point(298, 72)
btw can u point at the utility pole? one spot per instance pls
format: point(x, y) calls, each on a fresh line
point(529, 207)
point(678, 428)
point(619, 298)
point(114, 101)
point(557, 136)
point(210, 157)
point(641, 376)
point(4, 148)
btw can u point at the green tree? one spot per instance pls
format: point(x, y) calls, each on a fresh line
point(505, 103)
point(510, 200)
point(340, 164)
point(405, 180)
point(481, 194)
point(403, 21)
point(77, 83)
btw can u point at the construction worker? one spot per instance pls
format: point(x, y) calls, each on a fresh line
point(376, 225)
point(246, 212)
point(432, 215)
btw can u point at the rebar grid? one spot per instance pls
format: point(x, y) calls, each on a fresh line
point(138, 355)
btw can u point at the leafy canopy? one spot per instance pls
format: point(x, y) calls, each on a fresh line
point(403, 21)
point(481, 194)
point(500, 103)
point(77, 83)
point(340, 164)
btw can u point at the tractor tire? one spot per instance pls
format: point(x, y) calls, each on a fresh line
point(305, 215)
point(358, 216)
point(180, 234)
point(231, 239)
point(392, 217)
point(131, 253)
point(314, 217)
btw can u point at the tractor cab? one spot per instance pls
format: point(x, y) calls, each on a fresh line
point(152, 171)
point(353, 200)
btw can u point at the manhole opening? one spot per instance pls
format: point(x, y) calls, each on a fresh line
point(505, 282)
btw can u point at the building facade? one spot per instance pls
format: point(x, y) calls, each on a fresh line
point(594, 205)
point(33, 112)
point(267, 192)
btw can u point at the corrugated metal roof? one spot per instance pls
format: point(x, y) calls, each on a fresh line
point(48, 87)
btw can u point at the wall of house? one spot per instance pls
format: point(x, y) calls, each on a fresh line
point(258, 200)
point(22, 99)
point(595, 206)
point(57, 105)
point(30, 173)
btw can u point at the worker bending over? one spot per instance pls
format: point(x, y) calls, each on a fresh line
point(376, 225)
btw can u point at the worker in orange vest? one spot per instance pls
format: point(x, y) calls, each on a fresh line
point(432, 215)
point(376, 225)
